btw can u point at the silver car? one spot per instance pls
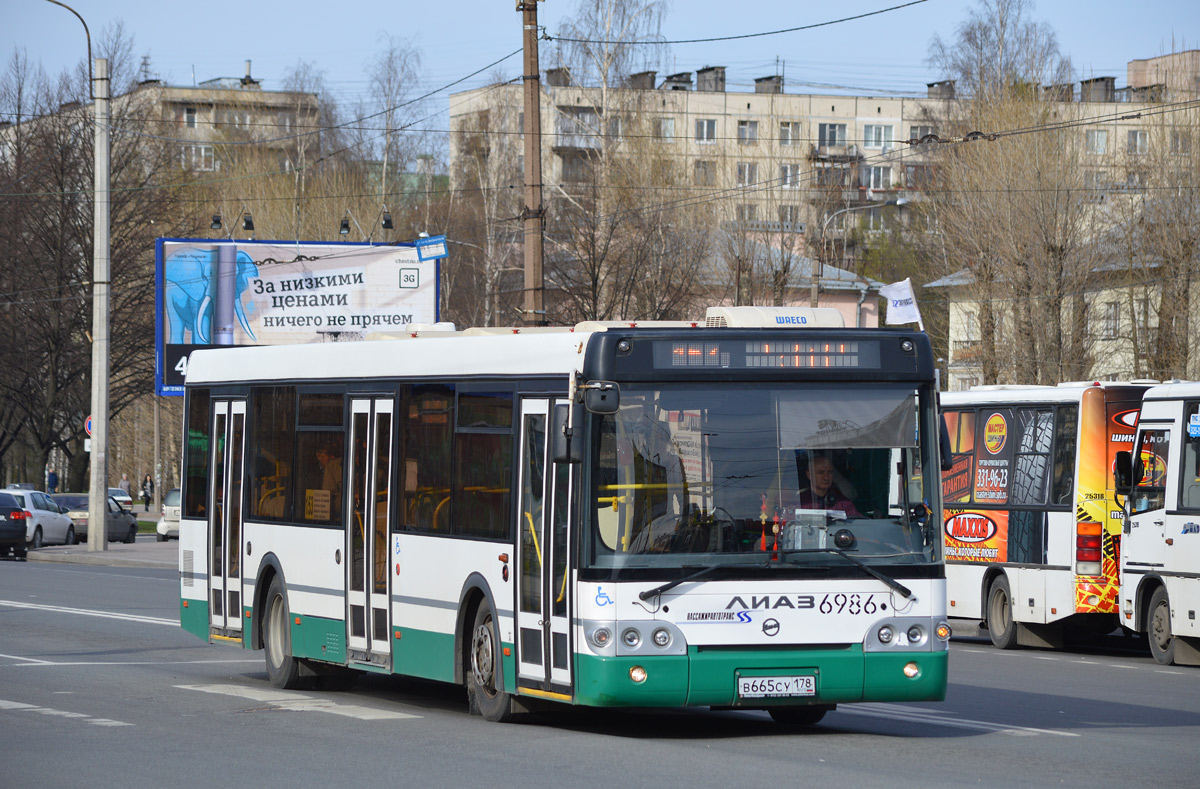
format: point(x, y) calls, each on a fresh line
point(121, 523)
point(47, 523)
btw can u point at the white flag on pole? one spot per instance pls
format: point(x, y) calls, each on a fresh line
point(901, 303)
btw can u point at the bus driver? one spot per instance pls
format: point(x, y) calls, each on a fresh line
point(821, 493)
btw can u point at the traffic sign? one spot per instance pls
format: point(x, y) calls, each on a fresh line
point(87, 425)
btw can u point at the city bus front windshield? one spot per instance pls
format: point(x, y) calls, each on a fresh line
point(686, 476)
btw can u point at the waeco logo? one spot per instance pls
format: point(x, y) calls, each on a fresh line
point(995, 432)
point(971, 527)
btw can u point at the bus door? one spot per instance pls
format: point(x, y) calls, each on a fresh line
point(543, 594)
point(367, 507)
point(225, 517)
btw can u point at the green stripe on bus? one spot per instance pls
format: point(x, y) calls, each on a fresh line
point(193, 617)
point(319, 638)
point(423, 653)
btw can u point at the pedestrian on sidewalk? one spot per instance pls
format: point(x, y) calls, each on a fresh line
point(147, 491)
point(52, 481)
point(124, 485)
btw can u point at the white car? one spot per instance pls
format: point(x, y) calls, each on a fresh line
point(168, 524)
point(121, 496)
point(47, 522)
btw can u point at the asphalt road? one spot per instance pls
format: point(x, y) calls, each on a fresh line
point(98, 684)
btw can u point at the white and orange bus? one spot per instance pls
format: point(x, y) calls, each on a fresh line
point(1032, 528)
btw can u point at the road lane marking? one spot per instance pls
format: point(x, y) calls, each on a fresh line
point(937, 718)
point(31, 661)
point(286, 700)
point(20, 706)
point(148, 620)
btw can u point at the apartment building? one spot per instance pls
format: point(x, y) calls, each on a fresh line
point(818, 170)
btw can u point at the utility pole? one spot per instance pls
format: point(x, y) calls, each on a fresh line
point(98, 490)
point(534, 214)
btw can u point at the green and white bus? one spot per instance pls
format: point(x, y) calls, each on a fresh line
point(603, 515)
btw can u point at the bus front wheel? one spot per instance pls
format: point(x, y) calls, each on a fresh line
point(1001, 627)
point(282, 669)
point(1158, 628)
point(484, 668)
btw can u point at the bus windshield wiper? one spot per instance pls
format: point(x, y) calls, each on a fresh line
point(892, 582)
point(646, 595)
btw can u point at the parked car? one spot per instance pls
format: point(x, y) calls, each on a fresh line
point(47, 522)
point(168, 524)
point(123, 498)
point(12, 526)
point(121, 523)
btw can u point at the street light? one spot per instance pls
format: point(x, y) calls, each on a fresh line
point(815, 277)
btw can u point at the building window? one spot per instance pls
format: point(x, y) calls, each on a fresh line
point(666, 129)
point(576, 127)
point(706, 130)
point(875, 136)
point(920, 176)
point(1110, 324)
point(706, 172)
point(831, 134)
point(789, 133)
point(874, 219)
point(1097, 141)
point(747, 212)
point(613, 128)
point(918, 132)
point(1139, 142)
point(879, 177)
point(197, 157)
point(576, 167)
point(970, 327)
point(239, 120)
point(1181, 143)
point(747, 132)
point(747, 173)
point(789, 214)
point(189, 117)
point(789, 176)
point(833, 175)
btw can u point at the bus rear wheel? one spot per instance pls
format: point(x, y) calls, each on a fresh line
point(1001, 628)
point(483, 668)
point(282, 669)
point(1158, 628)
point(799, 716)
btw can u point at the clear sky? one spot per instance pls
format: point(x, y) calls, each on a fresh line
point(882, 54)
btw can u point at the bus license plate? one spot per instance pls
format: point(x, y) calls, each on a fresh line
point(776, 687)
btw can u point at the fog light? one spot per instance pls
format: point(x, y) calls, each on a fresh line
point(631, 638)
point(601, 636)
point(886, 634)
point(943, 631)
point(915, 634)
point(661, 637)
point(1093, 599)
point(637, 674)
point(911, 670)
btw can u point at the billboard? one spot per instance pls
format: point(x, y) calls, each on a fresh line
point(214, 293)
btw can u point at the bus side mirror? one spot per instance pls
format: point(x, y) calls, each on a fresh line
point(602, 397)
point(944, 446)
point(1123, 473)
point(566, 434)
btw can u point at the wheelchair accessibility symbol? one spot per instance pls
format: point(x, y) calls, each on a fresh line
point(602, 597)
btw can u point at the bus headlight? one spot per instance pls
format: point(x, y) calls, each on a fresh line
point(911, 670)
point(637, 674)
point(600, 637)
point(915, 634)
point(661, 637)
point(886, 634)
point(631, 638)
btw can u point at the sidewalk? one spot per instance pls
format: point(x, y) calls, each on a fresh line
point(146, 552)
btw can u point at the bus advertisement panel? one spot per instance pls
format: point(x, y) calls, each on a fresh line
point(213, 293)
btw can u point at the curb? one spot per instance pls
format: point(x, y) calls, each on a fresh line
point(113, 557)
